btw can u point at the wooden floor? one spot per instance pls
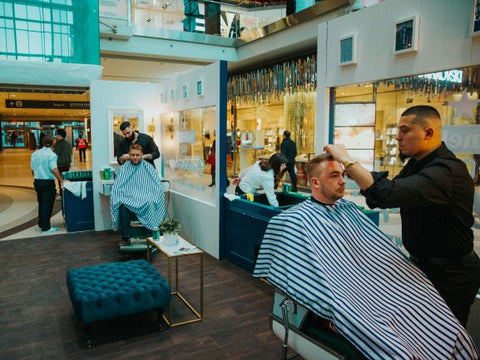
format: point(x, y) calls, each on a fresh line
point(37, 321)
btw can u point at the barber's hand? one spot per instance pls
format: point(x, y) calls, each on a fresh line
point(235, 181)
point(145, 156)
point(338, 151)
point(125, 157)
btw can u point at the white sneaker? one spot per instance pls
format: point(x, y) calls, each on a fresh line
point(59, 197)
point(51, 230)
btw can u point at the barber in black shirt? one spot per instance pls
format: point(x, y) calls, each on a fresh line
point(435, 194)
point(149, 148)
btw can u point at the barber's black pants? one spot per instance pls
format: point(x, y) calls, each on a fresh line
point(46, 197)
point(293, 175)
point(458, 284)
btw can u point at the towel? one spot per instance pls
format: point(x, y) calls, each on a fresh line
point(77, 188)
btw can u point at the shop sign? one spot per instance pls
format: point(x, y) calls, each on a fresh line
point(455, 76)
point(462, 138)
point(38, 104)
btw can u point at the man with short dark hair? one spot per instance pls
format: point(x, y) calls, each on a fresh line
point(435, 194)
point(150, 149)
point(289, 150)
point(63, 149)
point(44, 169)
point(328, 256)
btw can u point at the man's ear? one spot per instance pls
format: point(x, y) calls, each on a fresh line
point(428, 133)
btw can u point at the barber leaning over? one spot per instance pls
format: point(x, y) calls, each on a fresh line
point(435, 194)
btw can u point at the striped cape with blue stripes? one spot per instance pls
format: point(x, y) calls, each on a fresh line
point(139, 188)
point(334, 261)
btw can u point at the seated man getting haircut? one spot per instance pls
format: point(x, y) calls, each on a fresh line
point(137, 190)
point(329, 257)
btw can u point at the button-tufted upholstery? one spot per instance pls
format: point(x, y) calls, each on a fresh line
point(109, 290)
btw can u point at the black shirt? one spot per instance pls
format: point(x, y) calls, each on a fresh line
point(147, 144)
point(289, 149)
point(435, 196)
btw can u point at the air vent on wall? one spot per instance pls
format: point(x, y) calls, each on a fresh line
point(348, 50)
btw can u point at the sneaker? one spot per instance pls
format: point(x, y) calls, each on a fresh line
point(59, 197)
point(51, 230)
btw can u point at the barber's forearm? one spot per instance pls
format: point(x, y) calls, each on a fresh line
point(360, 175)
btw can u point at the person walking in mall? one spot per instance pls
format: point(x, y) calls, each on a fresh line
point(81, 144)
point(435, 194)
point(44, 169)
point(289, 150)
point(130, 137)
point(63, 149)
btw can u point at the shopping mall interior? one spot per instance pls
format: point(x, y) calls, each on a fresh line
point(189, 73)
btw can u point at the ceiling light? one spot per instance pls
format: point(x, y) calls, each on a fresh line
point(165, 5)
point(149, 19)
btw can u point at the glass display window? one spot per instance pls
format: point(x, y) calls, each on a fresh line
point(454, 93)
point(187, 142)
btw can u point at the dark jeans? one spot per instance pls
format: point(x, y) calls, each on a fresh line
point(82, 154)
point(293, 175)
point(458, 284)
point(46, 197)
point(125, 216)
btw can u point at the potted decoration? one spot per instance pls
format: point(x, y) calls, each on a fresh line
point(170, 229)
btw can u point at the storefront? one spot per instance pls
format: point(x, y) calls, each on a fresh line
point(365, 115)
point(266, 101)
point(419, 57)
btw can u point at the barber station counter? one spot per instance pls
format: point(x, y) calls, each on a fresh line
point(246, 222)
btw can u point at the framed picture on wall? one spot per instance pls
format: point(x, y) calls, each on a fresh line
point(115, 118)
point(406, 35)
point(476, 18)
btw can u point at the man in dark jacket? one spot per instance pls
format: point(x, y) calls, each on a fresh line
point(63, 149)
point(150, 149)
point(289, 150)
point(435, 194)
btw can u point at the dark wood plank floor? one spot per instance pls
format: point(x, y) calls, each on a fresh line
point(37, 321)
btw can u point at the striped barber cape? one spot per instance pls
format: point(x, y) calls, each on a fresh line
point(334, 261)
point(139, 188)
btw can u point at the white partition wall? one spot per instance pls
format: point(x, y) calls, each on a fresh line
point(107, 96)
point(199, 214)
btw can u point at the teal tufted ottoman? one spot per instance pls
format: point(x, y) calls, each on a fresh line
point(109, 290)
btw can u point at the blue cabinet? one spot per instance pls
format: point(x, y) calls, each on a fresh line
point(246, 222)
point(78, 213)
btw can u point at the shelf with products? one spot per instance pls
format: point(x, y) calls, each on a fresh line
point(390, 158)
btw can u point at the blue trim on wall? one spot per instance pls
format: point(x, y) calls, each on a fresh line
point(221, 166)
point(331, 115)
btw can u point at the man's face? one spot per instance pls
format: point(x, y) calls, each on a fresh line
point(128, 133)
point(135, 156)
point(329, 186)
point(411, 137)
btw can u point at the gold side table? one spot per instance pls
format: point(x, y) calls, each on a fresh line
point(173, 253)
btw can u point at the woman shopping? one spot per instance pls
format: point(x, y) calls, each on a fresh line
point(265, 174)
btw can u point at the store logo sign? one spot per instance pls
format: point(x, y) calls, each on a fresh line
point(455, 76)
point(462, 138)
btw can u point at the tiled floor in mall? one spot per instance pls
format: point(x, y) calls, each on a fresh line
point(18, 202)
